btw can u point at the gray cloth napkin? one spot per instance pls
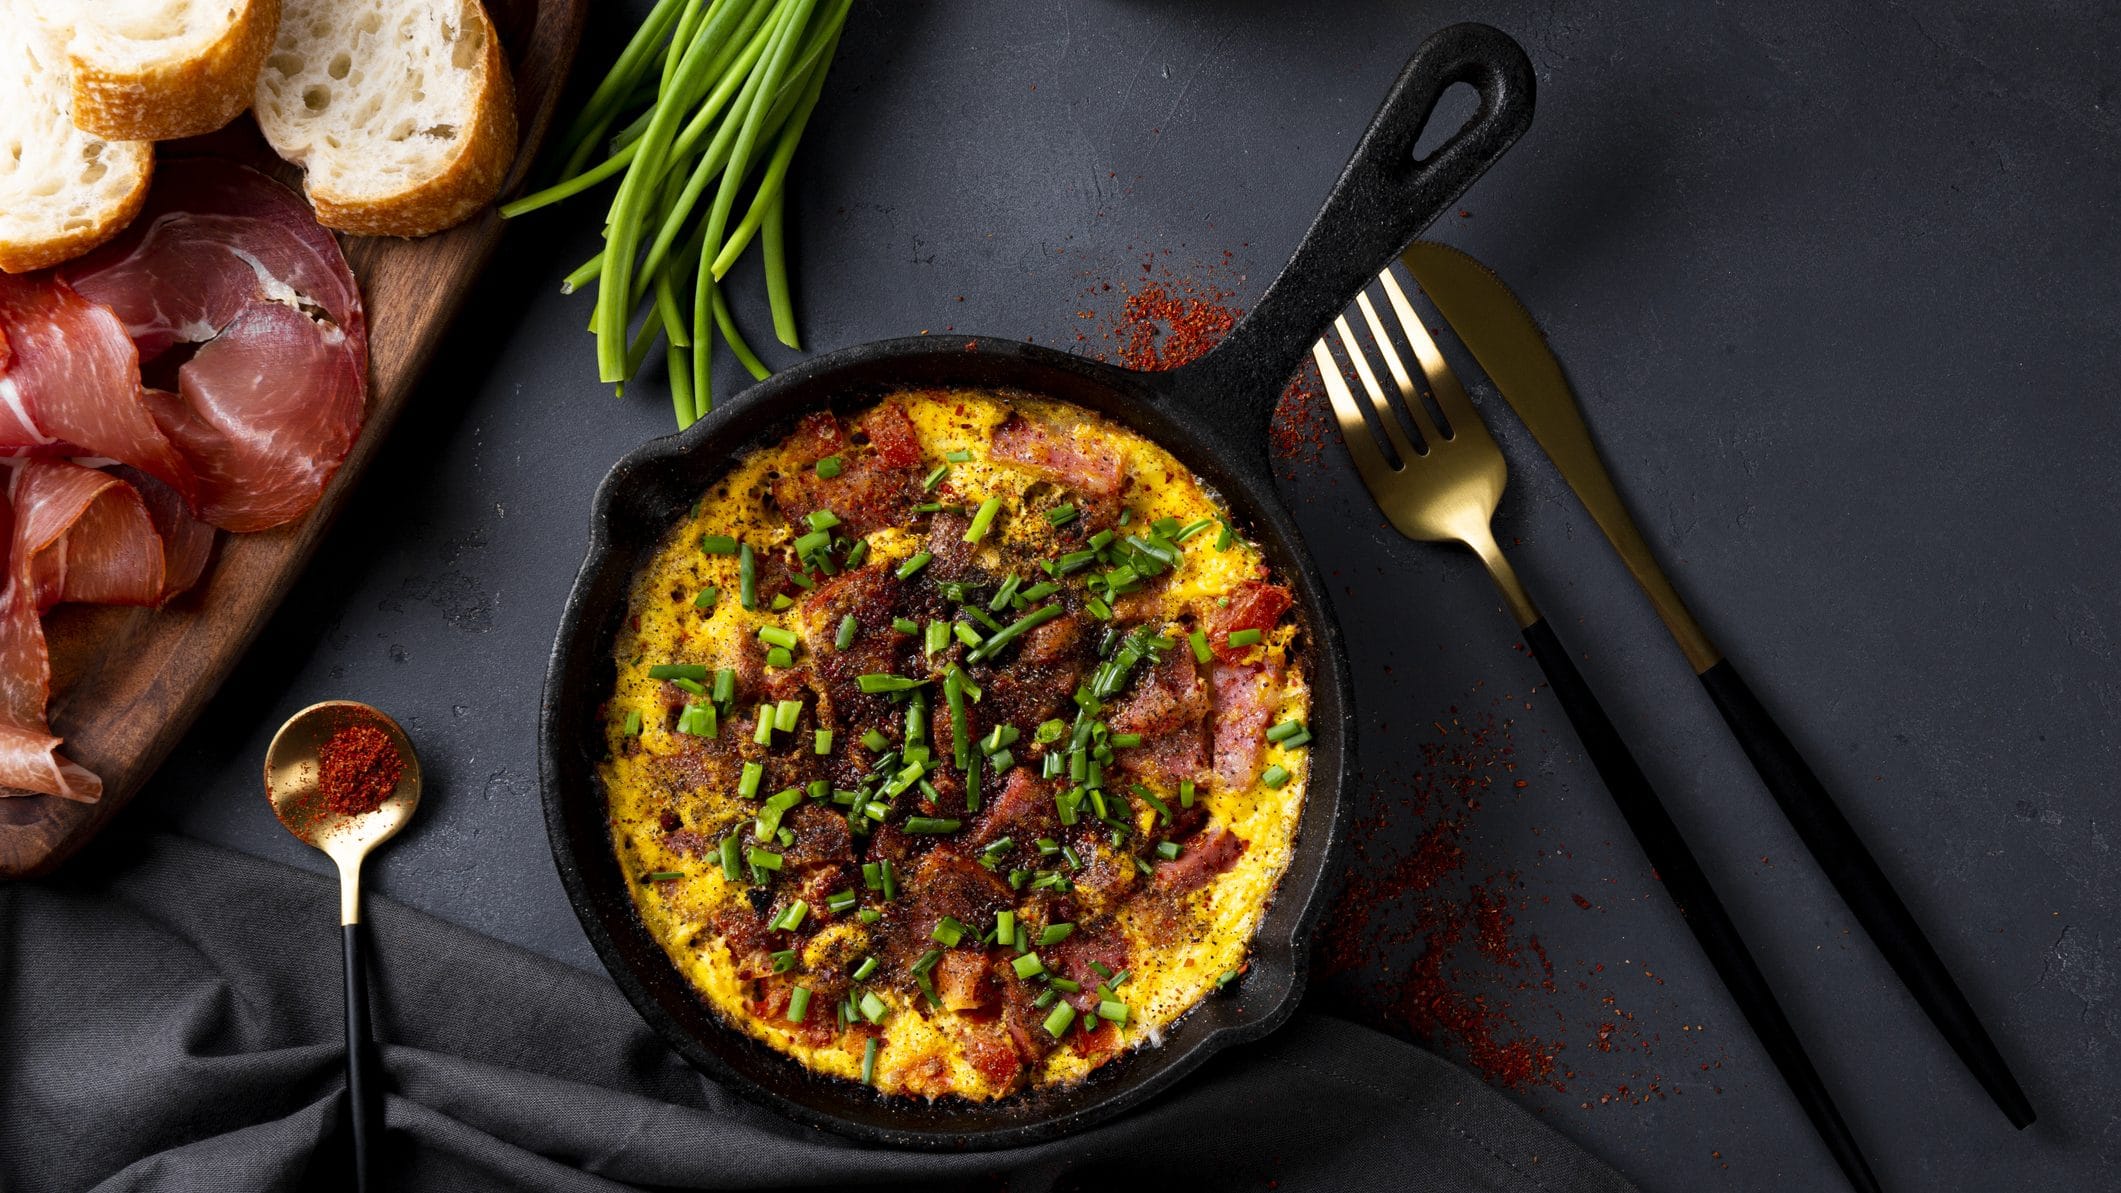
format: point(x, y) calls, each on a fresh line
point(170, 1017)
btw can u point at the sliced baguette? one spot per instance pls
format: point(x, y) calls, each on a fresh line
point(62, 191)
point(400, 112)
point(155, 70)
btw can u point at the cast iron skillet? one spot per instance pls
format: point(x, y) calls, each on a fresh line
point(1213, 415)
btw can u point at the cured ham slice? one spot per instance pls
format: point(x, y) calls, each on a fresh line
point(74, 534)
point(1254, 605)
point(1088, 467)
point(70, 382)
point(267, 406)
point(1245, 696)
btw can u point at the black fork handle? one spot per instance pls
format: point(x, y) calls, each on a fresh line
point(1870, 896)
point(1674, 865)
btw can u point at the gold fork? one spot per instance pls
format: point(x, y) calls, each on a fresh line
point(1444, 489)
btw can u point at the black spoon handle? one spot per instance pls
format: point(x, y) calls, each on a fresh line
point(361, 1087)
point(1863, 886)
point(1674, 864)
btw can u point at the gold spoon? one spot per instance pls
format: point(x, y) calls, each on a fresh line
point(292, 784)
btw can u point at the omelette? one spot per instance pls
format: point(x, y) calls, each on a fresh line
point(957, 744)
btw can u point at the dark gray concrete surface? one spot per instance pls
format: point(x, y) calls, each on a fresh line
point(1839, 286)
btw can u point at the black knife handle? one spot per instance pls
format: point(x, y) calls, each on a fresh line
point(1674, 864)
point(363, 1104)
point(1863, 885)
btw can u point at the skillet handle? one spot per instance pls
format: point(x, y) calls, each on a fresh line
point(1383, 200)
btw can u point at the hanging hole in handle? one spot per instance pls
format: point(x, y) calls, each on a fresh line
point(1454, 110)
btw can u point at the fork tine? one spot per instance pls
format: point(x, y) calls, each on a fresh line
point(1407, 393)
point(1378, 402)
point(1354, 431)
point(1450, 395)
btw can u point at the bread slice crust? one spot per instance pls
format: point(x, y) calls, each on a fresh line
point(164, 100)
point(62, 191)
point(465, 183)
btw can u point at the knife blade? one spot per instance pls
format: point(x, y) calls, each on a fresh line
point(1513, 352)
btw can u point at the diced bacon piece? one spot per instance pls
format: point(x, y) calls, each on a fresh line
point(1050, 642)
point(1165, 698)
point(816, 436)
point(867, 494)
point(962, 981)
point(1204, 856)
point(1024, 811)
point(1084, 465)
point(1078, 957)
point(1245, 698)
point(1169, 758)
point(992, 1054)
point(1254, 605)
point(821, 837)
point(891, 436)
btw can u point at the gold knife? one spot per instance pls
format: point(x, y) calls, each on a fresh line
point(1488, 318)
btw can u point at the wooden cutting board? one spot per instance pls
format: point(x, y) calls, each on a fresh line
point(127, 683)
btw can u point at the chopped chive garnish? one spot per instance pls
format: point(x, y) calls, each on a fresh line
point(747, 575)
point(1062, 1018)
point(822, 742)
point(691, 671)
point(1053, 934)
point(1193, 529)
point(698, 720)
point(822, 519)
point(632, 725)
point(791, 917)
point(844, 638)
point(1167, 850)
point(1275, 775)
point(1098, 609)
point(874, 683)
point(780, 600)
point(1225, 978)
point(867, 967)
point(983, 520)
point(1028, 966)
point(778, 636)
point(932, 824)
point(1223, 538)
point(1005, 928)
point(748, 785)
point(828, 467)
point(948, 932)
point(935, 478)
point(732, 857)
point(1285, 731)
point(1061, 515)
point(914, 563)
point(890, 880)
point(905, 625)
point(1051, 731)
point(875, 740)
point(725, 685)
point(1065, 985)
point(718, 544)
point(779, 659)
point(1014, 630)
point(873, 1009)
point(1045, 999)
point(784, 961)
point(936, 637)
point(869, 1050)
point(857, 553)
point(798, 1004)
point(1244, 638)
point(665, 875)
point(786, 714)
point(1185, 793)
point(708, 596)
point(959, 456)
point(1198, 640)
point(965, 634)
point(764, 859)
point(840, 901)
point(1115, 1012)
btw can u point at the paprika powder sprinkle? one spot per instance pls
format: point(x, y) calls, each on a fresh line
point(358, 767)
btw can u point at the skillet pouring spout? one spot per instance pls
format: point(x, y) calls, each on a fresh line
point(1213, 417)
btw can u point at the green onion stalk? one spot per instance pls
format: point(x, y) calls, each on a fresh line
point(698, 120)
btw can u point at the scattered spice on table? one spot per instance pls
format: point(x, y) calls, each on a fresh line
point(358, 767)
point(1431, 940)
point(1163, 317)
